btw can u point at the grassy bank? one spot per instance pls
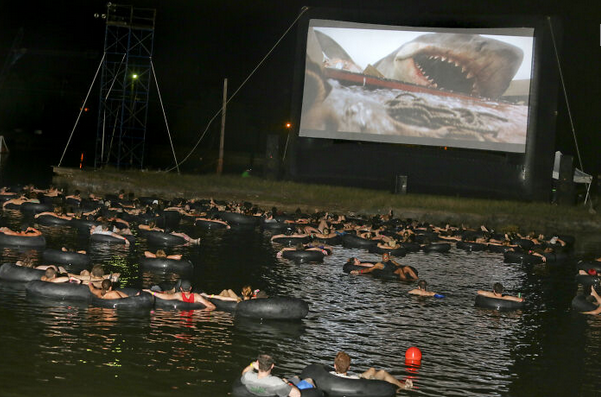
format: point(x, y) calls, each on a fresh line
point(290, 195)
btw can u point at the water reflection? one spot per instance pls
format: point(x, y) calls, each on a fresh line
point(542, 350)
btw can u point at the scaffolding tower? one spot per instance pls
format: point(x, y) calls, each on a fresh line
point(126, 74)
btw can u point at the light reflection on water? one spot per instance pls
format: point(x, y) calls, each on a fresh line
point(467, 350)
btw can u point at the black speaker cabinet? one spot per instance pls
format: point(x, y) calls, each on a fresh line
point(565, 184)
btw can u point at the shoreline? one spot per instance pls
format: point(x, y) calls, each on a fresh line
point(288, 196)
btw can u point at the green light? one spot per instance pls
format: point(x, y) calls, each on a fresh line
point(134, 76)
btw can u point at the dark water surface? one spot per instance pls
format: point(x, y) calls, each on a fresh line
point(58, 349)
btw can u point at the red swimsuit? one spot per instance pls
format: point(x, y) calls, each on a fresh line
point(189, 299)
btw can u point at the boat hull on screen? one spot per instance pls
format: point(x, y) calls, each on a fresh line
point(455, 89)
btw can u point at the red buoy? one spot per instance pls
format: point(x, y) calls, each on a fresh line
point(413, 354)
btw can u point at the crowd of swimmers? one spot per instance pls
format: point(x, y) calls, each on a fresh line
point(385, 231)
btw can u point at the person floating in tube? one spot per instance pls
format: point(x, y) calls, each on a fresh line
point(342, 363)
point(257, 378)
point(497, 293)
point(405, 273)
point(184, 294)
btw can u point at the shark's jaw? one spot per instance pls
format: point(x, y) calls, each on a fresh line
point(466, 64)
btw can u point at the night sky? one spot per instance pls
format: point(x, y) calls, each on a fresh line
point(199, 43)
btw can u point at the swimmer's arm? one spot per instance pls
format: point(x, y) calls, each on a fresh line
point(250, 367)
point(168, 297)
point(209, 306)
point(94, 290)
point(594, 312)
point(595, 295)
point(513, 298)
point(219, 297)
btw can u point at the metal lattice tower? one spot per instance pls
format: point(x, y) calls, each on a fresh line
point(124, 87)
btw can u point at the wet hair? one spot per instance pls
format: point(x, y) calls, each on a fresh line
point(265, 362)
point(50, 273)
point(342, 361)
point(106, 285)
point(185, 286)
point(422, 284)
point(97, 271)
point(161, 254)
point(246, 292)
point(498, 288)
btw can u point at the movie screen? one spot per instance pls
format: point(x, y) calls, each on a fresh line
point(466, 88)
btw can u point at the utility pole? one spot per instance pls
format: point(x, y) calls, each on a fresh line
point(222, 140)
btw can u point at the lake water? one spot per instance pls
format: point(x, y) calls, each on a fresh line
point(58, 349)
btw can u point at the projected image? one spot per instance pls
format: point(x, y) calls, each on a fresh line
point(445, 88)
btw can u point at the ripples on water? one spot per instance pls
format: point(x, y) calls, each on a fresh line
point(57, 349)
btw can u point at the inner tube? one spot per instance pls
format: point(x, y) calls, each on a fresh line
point(498, 248)
point(410, 246)
point(349, 267)
point(146, 219)
point(497, 304)
point(107, 238)
point(234, 218)
point(22, 241)
point(59, 291)
point(387, 275)
point(7, 196)
point(274, 225)
point(523, 242)
point(135, 302)
point(286, 240)
point(12, 272)
point(521, 257)
point(470, 246)
point(165, 265)
point(172, 218)
point(586, 265)
point(437, 247)
point(587, 280)
point(210, 225)
point(66, 258)
point(239, 390)
point(333, 240)
point(72, 201)
point(224, 306)
point(304, 255)
point(398, 252)
point(351, 241)
point(162, 238)
point(421, 238)
point(35, 208)
point(175, 304)
point(337, 386)
point(556, 257)
point(51, 220)
point(83, 224)
point(276, 308)
point(580, 303)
